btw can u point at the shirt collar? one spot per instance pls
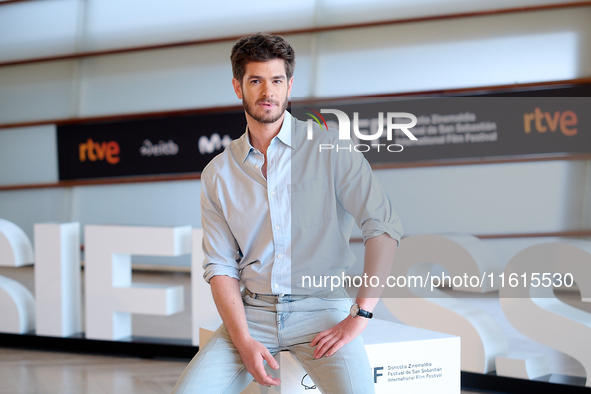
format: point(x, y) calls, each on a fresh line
point(284, 136)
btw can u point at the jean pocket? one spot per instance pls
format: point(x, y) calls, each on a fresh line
point(245, 297)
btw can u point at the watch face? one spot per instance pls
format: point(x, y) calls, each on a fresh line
point(354, 310)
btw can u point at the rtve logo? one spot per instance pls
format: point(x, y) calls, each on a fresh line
point(566, 121)
point(94, 151)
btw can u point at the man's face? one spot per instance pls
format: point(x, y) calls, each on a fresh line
point(264, 90)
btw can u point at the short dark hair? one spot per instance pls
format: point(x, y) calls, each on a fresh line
point(261, 47)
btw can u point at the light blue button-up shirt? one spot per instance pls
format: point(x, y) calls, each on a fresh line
point(267, 233)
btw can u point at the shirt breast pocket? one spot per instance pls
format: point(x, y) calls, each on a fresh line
point(311, 202)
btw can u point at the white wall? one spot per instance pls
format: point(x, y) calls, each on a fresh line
point(481, 51)
point(28, 155)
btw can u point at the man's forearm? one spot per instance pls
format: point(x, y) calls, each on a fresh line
point(379, 255)
point(226, 294)
point(228, 300)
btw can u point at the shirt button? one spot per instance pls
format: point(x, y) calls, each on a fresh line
point(276, 285)
point(272, 193)
point(276, 227)
point(279, 256)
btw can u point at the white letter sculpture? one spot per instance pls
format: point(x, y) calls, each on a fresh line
point(17, 304)
point(536, 312)
point(482, 337)
point(111, 297)
point(57, 279)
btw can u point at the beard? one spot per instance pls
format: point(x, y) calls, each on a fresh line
point(267, 117)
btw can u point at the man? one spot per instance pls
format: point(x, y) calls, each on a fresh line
point(274, 209)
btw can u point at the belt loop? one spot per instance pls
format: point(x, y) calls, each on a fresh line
point(249, 293)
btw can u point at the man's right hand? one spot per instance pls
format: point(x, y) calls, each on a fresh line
point(226, 294)
point(253, 354)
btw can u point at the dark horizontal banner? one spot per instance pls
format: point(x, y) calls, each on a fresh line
point(459, 127)
point(447, 128)
point(145, 147)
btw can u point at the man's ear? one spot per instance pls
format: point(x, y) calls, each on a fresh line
point(237, 88)
point(289, 85)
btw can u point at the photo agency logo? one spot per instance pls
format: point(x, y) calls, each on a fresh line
point(402, 121)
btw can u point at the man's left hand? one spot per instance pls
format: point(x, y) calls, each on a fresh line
point(329, 341)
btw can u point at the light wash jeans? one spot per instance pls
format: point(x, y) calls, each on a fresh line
point(281, 323)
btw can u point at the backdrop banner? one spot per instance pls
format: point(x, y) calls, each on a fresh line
point(386, 130)
point(455, 127)
point(167, 145)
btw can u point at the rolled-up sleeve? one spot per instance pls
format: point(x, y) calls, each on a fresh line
point(219, 245)
point(362, 195)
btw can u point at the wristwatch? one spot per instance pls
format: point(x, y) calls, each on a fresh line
point(356, 311)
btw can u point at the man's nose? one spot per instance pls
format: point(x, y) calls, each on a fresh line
point(267, 92)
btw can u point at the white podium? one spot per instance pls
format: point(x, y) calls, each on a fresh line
point(404, 359)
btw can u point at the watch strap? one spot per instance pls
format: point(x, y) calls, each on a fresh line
point(364, 313)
